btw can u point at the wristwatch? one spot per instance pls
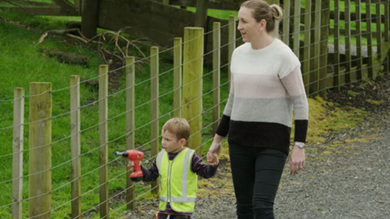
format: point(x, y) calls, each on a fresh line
point(300, 144)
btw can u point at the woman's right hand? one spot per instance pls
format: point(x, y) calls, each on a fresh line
point(216, 145)
point(212, 159)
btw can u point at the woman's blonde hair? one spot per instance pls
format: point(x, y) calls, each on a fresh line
point(262, 10)
point(179, 127)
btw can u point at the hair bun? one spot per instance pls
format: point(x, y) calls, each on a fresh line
point(277, 12)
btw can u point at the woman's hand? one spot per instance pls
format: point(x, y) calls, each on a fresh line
point(297, 159)
point(212, 159)
point(216, 145)
point(215, 148)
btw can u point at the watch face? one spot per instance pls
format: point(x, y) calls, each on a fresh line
point(301, 145)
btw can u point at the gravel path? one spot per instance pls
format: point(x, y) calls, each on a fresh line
point(352, 183)
point(349, 181)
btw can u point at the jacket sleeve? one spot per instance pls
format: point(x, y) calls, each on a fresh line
point(202, 169)
point(150, 174)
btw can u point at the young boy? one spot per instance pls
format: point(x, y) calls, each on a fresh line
point(178, 168)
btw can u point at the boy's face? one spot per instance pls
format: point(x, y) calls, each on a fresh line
point(170, 143)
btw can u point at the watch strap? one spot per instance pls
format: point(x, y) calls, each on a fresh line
point(300, 144)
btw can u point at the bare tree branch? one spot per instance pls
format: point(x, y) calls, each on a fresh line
point(100, 41)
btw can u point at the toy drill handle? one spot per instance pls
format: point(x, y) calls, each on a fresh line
point(137, 166)
point(135, 156)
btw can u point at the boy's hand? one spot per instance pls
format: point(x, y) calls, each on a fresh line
point(212, 159)
point(131, 165)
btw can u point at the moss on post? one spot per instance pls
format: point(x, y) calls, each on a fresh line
point(193, 84)
point(39, 204)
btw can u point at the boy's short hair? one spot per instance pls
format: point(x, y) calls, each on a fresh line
point(179, 127)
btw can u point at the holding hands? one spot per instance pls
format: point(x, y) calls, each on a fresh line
point(212, 158)
point(215, 148)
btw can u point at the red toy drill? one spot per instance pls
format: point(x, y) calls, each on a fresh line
point(135, 156)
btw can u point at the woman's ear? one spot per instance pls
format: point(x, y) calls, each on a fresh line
point(263, 24)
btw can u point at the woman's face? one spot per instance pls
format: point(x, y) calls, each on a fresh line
point(247, 25)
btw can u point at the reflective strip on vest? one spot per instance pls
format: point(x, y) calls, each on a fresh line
point(159, 159)
point(177, 199)
point(185, 175)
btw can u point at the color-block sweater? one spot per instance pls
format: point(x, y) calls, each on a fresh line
point(266, 84)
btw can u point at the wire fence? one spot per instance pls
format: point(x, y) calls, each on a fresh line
point(373, 63)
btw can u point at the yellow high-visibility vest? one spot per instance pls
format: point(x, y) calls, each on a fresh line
point(177, 181)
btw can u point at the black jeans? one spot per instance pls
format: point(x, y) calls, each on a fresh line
point(256, 176)
point(165, 216)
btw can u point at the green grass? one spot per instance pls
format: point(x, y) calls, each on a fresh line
point(22, 63)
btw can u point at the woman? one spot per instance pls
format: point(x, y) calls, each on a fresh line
point(266, 85)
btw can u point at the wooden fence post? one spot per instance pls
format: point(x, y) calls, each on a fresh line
point(325, 12)
point(39, 205)
point(387, 21)
point(130, 125)
point(378, 21)
point(103, 140)
point(17, 158)
point(336, 42)
point(193, 84)
point(154, 108)
point(216, 74)
point(315, 63)
point(306, 50)
point(387, 34)
point(177, 76)
point(369, 40)
point(359, 54)
point(231, 41)
point(382, 46)
point(286, 22)
point(297, 26)
point(78, 6)
point(75, 145)
point(347, 34)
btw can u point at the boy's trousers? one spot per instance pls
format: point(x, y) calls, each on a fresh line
point(167, 216)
